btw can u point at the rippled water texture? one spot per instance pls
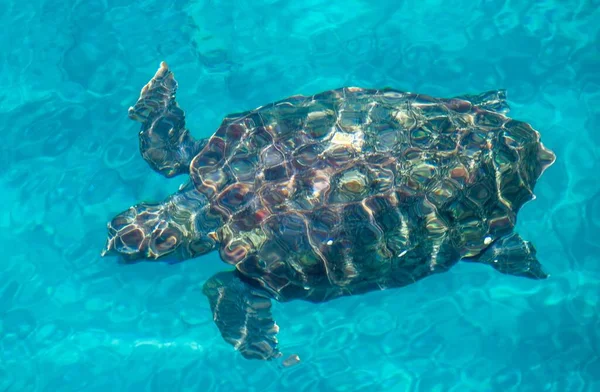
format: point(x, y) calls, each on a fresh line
point(71, 321)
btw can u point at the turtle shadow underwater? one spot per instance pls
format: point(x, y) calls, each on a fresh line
point(340, 193)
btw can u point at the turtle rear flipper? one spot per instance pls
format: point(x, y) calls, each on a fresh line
point(494, 100)
point(165, 143)
point(243, 315)
point(512, 255)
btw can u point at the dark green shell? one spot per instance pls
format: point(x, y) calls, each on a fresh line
point(353, 189)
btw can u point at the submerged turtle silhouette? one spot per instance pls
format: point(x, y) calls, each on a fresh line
point(340, 193)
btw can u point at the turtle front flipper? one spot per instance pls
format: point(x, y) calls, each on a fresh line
point(512, 255)
point(243, 315)
point(165, 143)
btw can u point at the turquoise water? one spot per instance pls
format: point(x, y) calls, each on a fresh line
point(71, 321)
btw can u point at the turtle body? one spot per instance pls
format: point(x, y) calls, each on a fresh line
point(340, 193)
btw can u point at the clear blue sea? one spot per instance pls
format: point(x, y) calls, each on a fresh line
point(73, 321)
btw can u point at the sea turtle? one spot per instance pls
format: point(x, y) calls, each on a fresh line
point(340, 193)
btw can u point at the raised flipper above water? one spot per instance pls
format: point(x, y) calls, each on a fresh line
point(512, 255)
point(243, 315)
point(165, 143)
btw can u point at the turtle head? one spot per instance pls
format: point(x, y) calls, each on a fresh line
point(142, 232)
point(176, 229)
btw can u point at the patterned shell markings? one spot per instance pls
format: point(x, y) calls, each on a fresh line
point(352, 184)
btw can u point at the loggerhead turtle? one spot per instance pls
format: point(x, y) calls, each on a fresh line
point(340, 193)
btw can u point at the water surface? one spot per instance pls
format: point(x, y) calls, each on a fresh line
point(71, 321)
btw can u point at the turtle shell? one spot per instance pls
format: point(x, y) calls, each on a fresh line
point(354, 187)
